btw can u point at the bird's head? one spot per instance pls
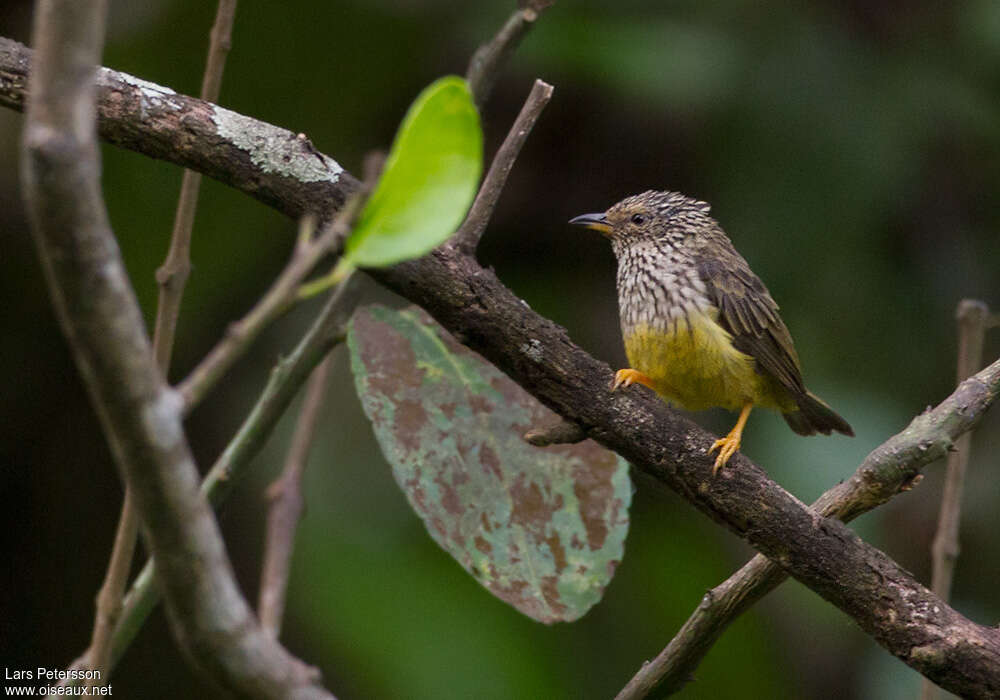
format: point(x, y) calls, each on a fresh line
point(664, 218)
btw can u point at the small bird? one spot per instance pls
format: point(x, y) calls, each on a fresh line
point(700, 328)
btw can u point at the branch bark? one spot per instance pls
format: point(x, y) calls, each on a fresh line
point(273, 165)
point(903, 616)
point(889, 470)
point(141, 416)
point(172, 276)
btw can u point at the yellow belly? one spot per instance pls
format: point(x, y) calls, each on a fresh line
point(693, 363)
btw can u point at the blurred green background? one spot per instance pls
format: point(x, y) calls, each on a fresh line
point(850, 148)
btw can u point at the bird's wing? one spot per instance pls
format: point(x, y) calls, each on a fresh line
point(750, 315)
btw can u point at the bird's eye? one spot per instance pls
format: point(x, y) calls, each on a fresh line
point(638, 219)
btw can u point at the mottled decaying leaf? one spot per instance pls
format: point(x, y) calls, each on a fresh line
point(541, 528)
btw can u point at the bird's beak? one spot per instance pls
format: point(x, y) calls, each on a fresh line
point(598, 222)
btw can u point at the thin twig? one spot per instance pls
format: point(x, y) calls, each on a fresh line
point(173, 274)
point(972, 317)
point(489, 59)
point(286, 378)
point(109, 598)
point(278, 299)
point(285, 495)
point(467, 236)
point(891, 468)
point(172, 277)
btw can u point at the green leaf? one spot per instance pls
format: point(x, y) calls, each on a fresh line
point(428, 182)
point(541, 528)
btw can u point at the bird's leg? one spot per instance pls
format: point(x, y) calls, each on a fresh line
point(628, 377)
point(728, 445)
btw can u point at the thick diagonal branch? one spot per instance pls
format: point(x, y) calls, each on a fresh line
point(887, 471)
point(902, 615)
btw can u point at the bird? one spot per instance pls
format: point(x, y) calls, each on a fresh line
point(700, 328)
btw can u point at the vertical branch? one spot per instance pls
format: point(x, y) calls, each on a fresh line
point(973, 317)
point(285, 494)
point(173, 274)
point(140, 415)
point(172, 277)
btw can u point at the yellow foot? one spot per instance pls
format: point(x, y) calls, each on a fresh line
point(628, 377)
point(728, 445)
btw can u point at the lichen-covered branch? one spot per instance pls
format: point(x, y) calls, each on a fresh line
point(273, 165)
point(903, 616)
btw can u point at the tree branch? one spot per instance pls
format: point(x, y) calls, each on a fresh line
point(284, 383)
point(973, 317)
point(489, 59)
point(141, 417)
point(890, 469)
point(172, 277)
point(273, 165)
point(285, 496)
point(898, 612)
point(108, 609)
point(282, 294)
point(173, 274)
point(466, 238)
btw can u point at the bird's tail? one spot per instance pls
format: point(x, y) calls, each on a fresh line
point(814, 416)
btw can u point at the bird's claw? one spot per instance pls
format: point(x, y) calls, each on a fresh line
point(727, 447)
point(628, 377)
